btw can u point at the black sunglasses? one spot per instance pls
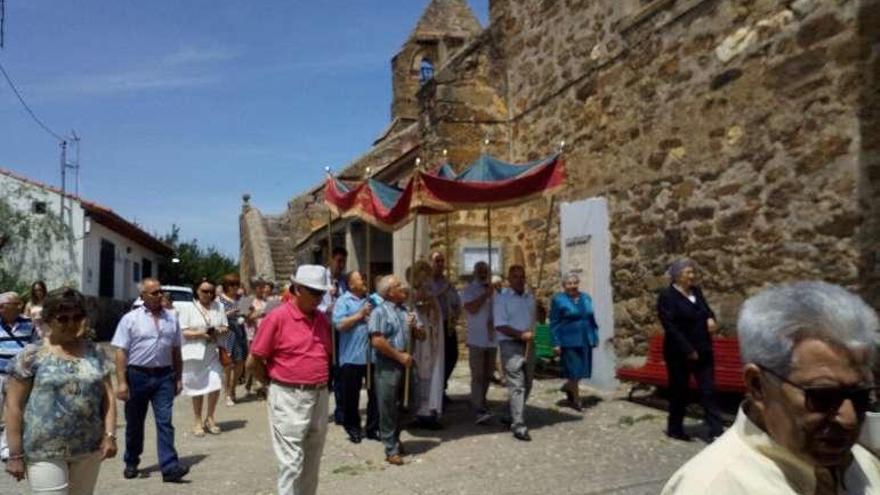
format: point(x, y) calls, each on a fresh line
point(65, 319)
point(313, 292)
point(821, 399)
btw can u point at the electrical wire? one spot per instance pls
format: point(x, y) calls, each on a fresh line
point(27, 108)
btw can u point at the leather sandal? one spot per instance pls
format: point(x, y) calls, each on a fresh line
point(211, 427)
point(198, 430)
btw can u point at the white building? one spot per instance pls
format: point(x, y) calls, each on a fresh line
point(84, 245)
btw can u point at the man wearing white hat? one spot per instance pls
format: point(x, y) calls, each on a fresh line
point(16, 332)
point(293, 347)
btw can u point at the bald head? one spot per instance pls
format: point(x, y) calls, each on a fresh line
point(356, 283)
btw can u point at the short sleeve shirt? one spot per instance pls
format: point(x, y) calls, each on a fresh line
point(148, 341)
point(477, 323)
point(14, 338)
point(352, 342)
point(389, 321)
point(64, 415)
point(296, 349)
point(513, 310)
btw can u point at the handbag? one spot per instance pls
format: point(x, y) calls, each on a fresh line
point(225, 357)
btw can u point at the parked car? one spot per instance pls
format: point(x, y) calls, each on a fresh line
point(180, 296)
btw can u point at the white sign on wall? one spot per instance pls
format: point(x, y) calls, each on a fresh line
point(586, 251)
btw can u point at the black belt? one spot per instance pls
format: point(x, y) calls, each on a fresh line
point(150, 371)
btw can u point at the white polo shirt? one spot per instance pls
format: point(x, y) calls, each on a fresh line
point(513, 310)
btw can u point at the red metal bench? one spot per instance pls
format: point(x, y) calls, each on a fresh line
point(728, 367)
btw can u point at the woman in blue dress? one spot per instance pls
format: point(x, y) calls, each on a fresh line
point(575, 333)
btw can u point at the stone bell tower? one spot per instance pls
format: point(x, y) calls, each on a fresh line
point(445, 26)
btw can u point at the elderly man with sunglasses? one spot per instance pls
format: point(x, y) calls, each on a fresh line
point(807, 350)
point(293, 346)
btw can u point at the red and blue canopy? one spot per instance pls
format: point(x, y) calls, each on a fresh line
point(488, 182)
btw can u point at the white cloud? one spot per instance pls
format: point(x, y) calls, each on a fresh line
point(186, 67)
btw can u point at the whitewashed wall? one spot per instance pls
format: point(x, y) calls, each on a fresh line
point(126, 252)
point(52, 253)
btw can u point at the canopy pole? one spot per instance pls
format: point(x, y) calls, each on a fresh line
point(369, 282)
point(546, 240)
point(448, 248)
point(329, 262)
point(489, 254)
point(412, 267)
point(489, 237)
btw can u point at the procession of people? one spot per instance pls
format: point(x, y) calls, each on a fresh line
point(331, 334)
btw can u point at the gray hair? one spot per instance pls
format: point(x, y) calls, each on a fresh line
point(144, 281)
point(678, 266)
point(385, 284)
point(771, 322)
point(571, 276)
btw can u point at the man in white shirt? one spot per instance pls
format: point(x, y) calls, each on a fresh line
point(807, 350)
point(514, 319)
point(477, 299)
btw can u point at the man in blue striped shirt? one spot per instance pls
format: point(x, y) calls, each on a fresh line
point(389, 328)
point(16, 332)
point(350, 316)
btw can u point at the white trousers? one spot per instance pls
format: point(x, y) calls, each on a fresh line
point(298, 425)
point(75, 476)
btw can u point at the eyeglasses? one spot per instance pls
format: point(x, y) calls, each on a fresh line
point(65, 319)
point(157, 292)
point(206, 291)
point(822, 399)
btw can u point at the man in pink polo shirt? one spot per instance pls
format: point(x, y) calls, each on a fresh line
point(293, 346)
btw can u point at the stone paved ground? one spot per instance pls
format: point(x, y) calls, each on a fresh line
point(615, 447)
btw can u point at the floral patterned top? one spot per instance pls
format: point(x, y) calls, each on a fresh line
point(64, 415)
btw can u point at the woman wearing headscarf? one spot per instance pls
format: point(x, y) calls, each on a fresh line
point(60, 406)
point(688, 322)
point(575, 333)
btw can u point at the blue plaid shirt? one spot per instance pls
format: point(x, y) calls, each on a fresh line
point(22, 333)
point(389, 320)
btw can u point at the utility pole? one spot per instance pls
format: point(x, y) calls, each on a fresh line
point(67, 165)
point(63, 176)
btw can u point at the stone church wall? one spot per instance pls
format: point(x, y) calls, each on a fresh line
point(733, 132)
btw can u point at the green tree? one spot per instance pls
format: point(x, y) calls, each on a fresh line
point(195, 262)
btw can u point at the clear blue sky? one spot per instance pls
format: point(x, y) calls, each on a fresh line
point(183, 106)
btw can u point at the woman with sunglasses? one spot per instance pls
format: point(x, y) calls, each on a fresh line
point(688, 323)
point(203, 323)
point(60, 410)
